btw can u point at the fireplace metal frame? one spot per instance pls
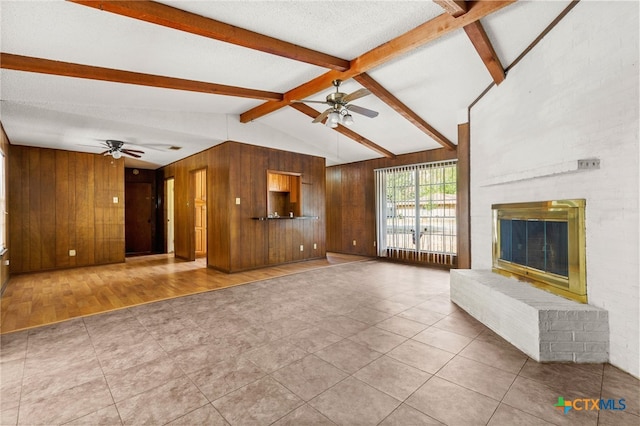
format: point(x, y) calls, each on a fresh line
point(570, 211)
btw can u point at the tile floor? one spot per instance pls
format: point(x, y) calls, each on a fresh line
point(364, 343)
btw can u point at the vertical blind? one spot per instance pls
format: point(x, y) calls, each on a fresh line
point(416, 212)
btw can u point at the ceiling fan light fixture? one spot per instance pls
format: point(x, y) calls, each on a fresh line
point(347, 120)
point(116, 154)
point(333, 118)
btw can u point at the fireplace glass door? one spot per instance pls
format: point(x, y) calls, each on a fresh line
point(542, 243)
point(538, 244)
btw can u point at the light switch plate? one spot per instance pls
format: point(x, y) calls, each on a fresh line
point(238, 201)
point(115, 200)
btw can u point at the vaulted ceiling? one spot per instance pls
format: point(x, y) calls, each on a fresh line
point(193, 74)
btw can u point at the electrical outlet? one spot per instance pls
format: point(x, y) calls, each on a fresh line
point(115, 200)
point(72, 253)
point(589, 164)
point(238, 201)
point(354, 242)
point(301, 247)
point(315, 246)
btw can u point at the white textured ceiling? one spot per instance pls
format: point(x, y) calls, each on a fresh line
point(437, 81)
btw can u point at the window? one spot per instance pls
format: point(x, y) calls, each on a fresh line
point(416, 215)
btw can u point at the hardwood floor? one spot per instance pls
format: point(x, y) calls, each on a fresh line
point(32, 300)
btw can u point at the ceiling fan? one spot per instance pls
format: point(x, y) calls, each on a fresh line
point(339, 112)
point(115, 149)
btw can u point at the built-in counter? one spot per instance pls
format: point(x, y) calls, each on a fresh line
point(285, 218)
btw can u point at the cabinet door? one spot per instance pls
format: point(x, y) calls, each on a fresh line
point(283, 181)
point(272, 182)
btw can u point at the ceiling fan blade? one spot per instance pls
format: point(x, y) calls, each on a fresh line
point(105, 153)
point(360, 93)
point(126, 151)
point(364, 111)
point(132, 150)
point(309, 101)
point(322, 116)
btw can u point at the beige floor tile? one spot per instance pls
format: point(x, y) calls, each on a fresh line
point(617, 418)
point(284, 328)
point(140, 378)
point(452, 404)
point(405, 415)
point(451, 342)
point(162, 404)
point(309, 377)
point(8, 416)
point(121, 356)
point(348, 356)
point(107, 416)
point(259, 403)
point(219, 379)
point(390, 307)
point(342, 325)
point(13, 346)
point(478, 377)
point(509, 416)
point(67, 405)
point(566, 378)
point(352, 402)
point(392, 377)
point(57, 380)
point(206, 415)
point(442, 305)
point(505, 358)
point(377, 339)
point(422, 316)
point(313, 339)
point(368, 315)
point(275, 355)
point(461, 324)
point(304, 416)
point(402, 326)
point(617, 384)
point(418, 355)
point(538, 400)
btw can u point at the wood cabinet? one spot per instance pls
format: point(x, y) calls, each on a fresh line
point(279, 182)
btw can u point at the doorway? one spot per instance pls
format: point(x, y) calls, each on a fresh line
point(139, 211)
point(170, 214)
point(199, 190)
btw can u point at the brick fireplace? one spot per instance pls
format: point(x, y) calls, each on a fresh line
point(536, 292)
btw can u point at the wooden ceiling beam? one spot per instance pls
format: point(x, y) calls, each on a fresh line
point(478, 36)
point(311, 112)
point(387, 97)
point(167, 16)
point(67, 69)
point(419, 36)
point(454, 8)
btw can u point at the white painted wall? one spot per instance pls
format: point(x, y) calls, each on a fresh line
point(574, 96)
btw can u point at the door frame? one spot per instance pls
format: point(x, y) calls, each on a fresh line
point(170, 214)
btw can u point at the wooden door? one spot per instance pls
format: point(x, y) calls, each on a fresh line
point(138, 209)
point(200, 213)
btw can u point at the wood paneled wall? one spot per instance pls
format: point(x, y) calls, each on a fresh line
point(61, 201)
point(6, 256)
point(236, 242)
point(351, 210)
